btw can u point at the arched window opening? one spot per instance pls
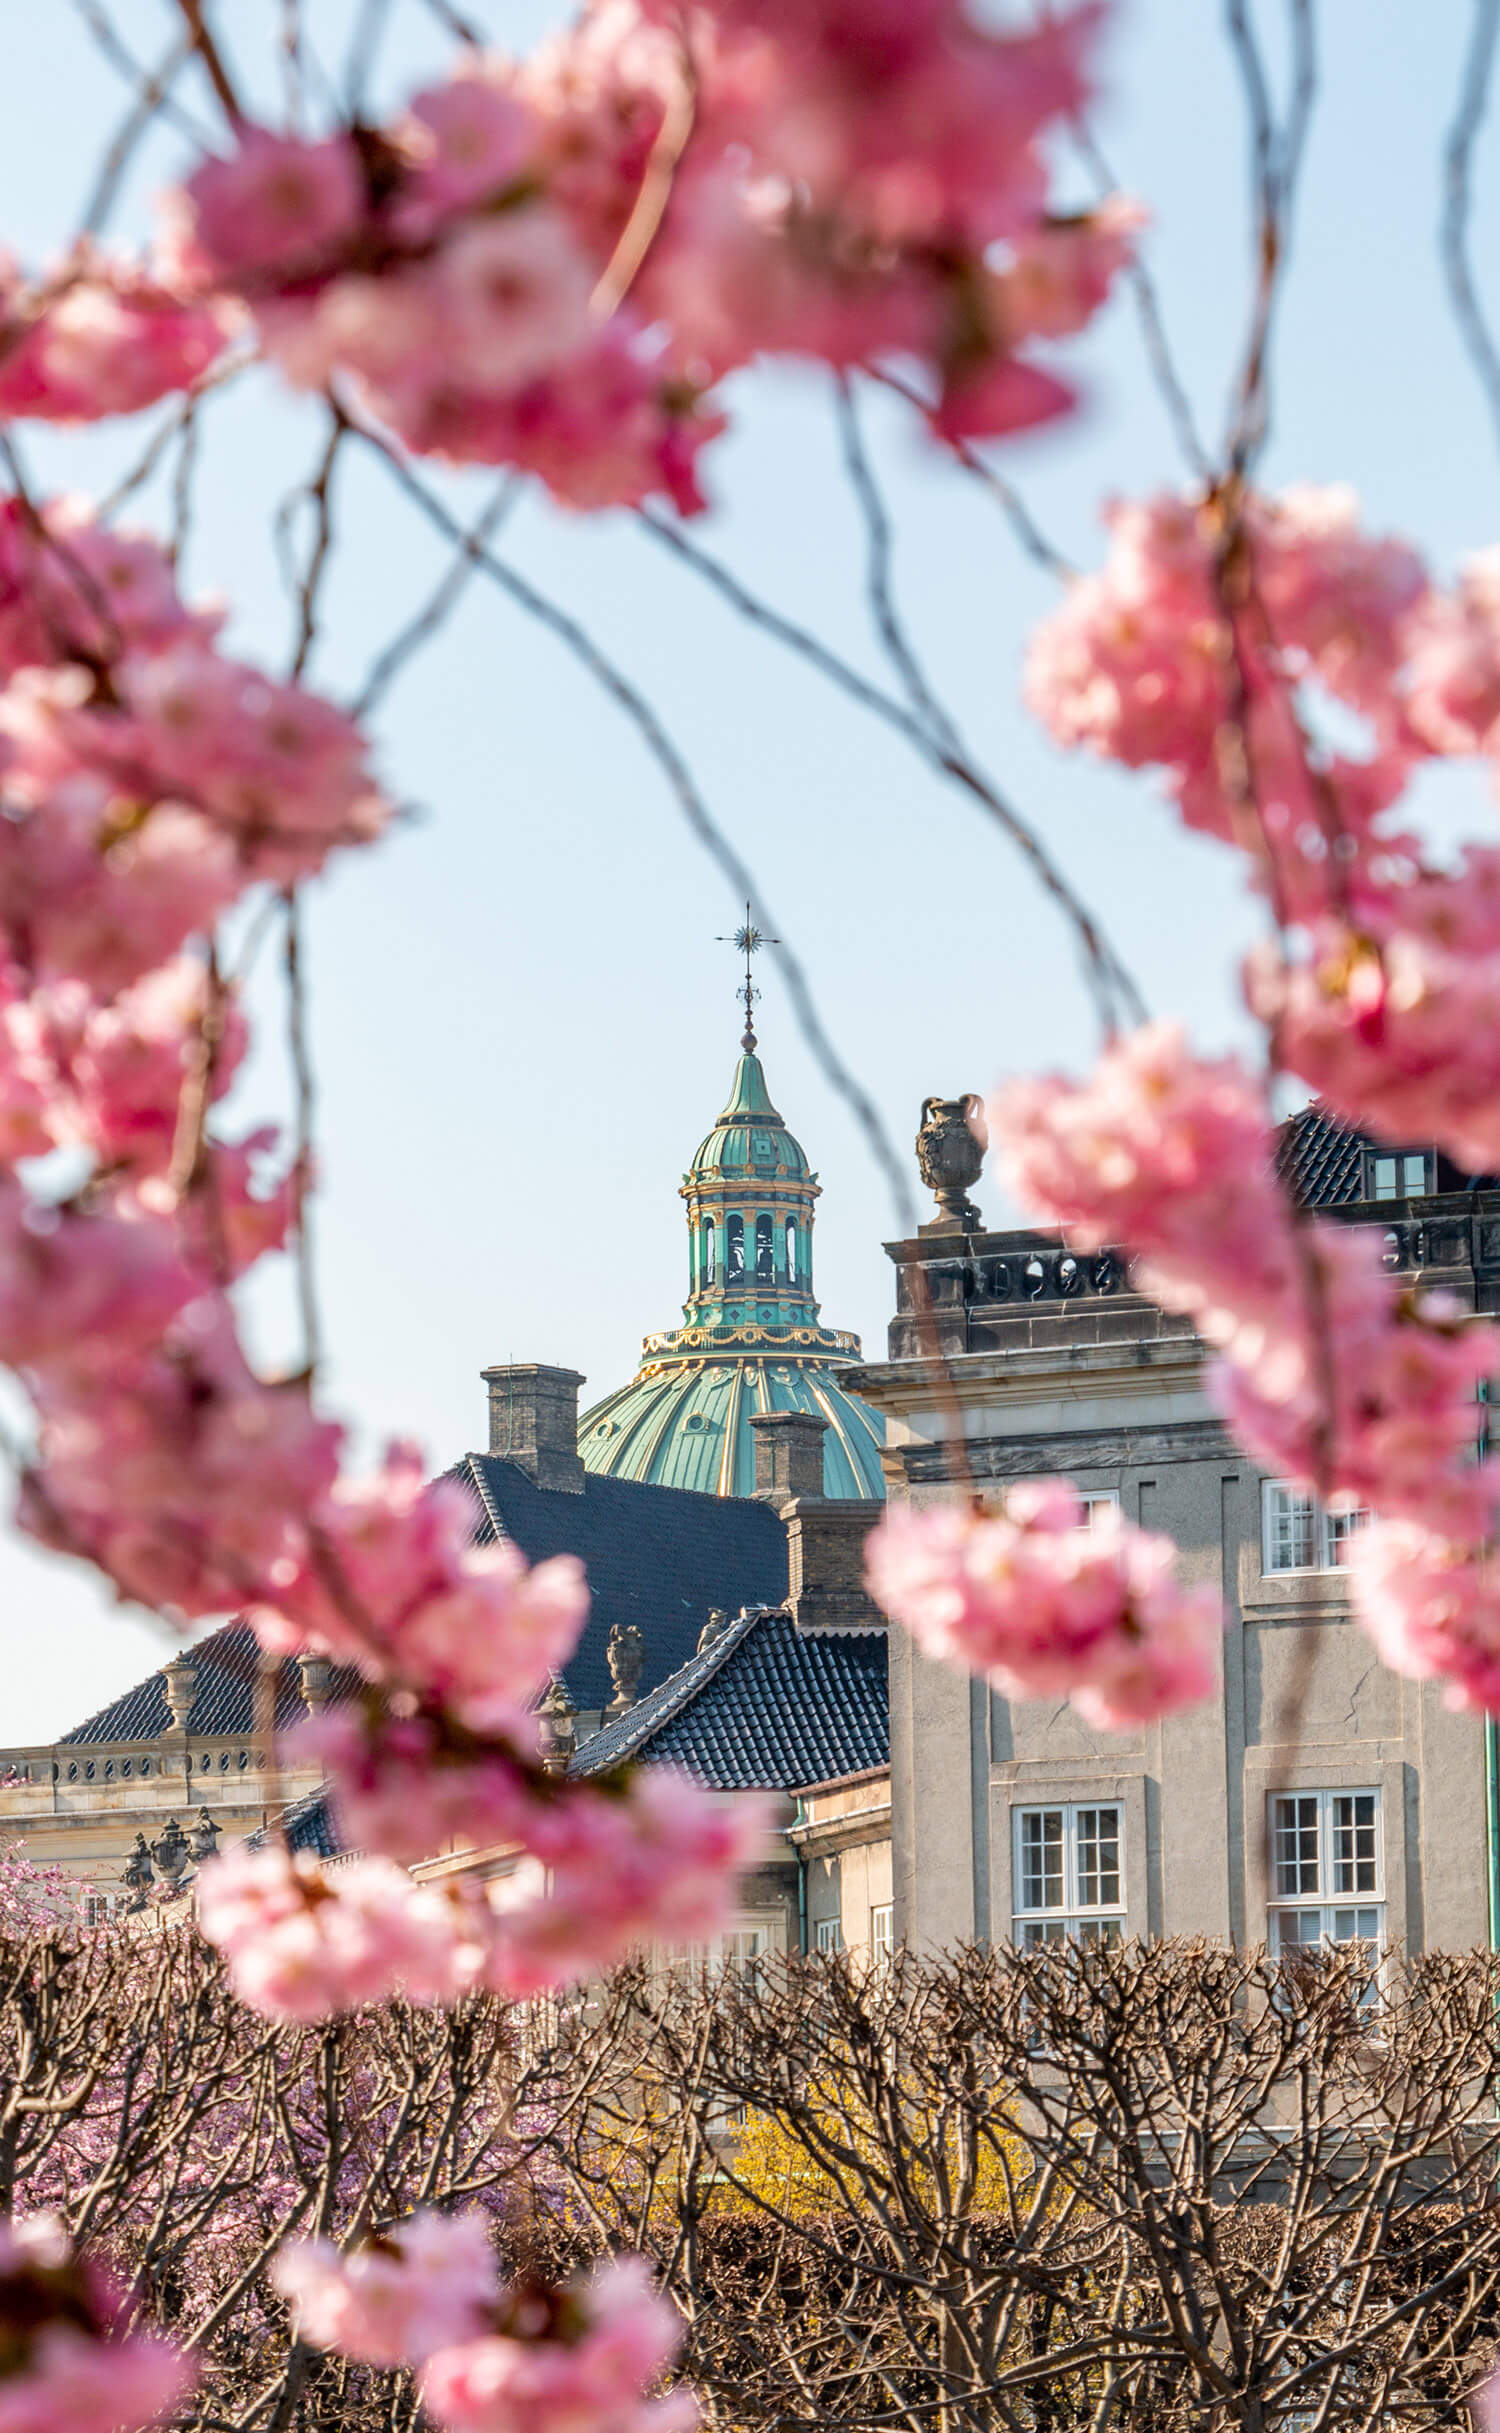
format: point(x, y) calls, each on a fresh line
point(765, 1257)
point(734, 1250)
point(791, 1250)
point(710, 1239)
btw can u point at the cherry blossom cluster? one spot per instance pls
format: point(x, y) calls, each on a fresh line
point(492, 2357)
point(1187, 650)
point(1043, 1605)
point(1331, 1371)
point(69, 2361)
point(100, 336)
point(1432, 1606)
point(609, 1870)
point(549, 263)
point(1393, 1016)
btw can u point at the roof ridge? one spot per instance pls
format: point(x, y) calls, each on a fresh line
point(662, 1705)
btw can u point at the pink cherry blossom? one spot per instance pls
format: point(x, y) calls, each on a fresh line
point(300, 1942)
point(277, 205)
point(1162, 1152)
point(616, 1873)
point(468, 141)
point(1044, 1606)
point(100, 337)
point(176, 1471)
point(556, 2368)
point(1363, 1390)
point(408, 1787)
point(1453, 662)
point(71, 587)
point(1432, 1606)
point(70, 2364)
point(119, 1068)
point(1144, 665)
point(392, 1582)
point(1331, 1373)
point(78, 1291)
point(395, 2298)
point(1394, 1018)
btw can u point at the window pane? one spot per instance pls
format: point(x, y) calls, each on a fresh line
point(1354, 1854)
point(1414, 1173)
point(882, 1934)
point(1031, 1933)
point(1296, 1929)
point(1099, 1930)
point(1291, 1530)
point(1042, 1858)
point(1295, 1836)
point(1098, 1858)
point(1385, 1178)
point(1353, 1925)
point(1341, 1528)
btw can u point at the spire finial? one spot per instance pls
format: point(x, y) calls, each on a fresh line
point(748, 940)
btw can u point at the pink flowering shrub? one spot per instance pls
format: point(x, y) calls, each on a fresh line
point(68, 2361)
point(1044, 1606)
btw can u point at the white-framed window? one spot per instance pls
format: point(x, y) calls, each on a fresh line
point(1327, 1869)
point(98, 1908)
point(1069, 1873)
point(1094, 1503)
point(882, 1930)
point(828, 1935)
point(1398, 1175)
point(1298, 1535)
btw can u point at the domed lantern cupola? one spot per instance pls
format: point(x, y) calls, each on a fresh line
point(750, 1338)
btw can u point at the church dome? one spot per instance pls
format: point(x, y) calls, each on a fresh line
point(751, 1338)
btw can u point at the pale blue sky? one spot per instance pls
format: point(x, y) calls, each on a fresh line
point(523, 1023)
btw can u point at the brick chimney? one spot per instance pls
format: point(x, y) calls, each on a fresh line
point(826, 1563)
point(788, 1454)
point(534, 1421)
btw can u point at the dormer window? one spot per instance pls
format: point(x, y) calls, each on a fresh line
point(1404, 1174)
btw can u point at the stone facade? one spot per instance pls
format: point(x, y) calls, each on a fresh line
point(1011, 1358)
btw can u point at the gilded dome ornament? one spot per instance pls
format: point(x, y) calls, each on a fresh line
point(751, 1338)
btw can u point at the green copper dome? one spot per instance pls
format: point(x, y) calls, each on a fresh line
point(750, 1338)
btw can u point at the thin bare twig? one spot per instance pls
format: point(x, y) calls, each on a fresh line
point(142, 114)
point(1458, 171)
point(879, 587)
point(131, 71)
point(1277, 155)
point(305, 1172)
point(612, 679)
point(213, 63)
point(1112, 986)
point(1009, 500)
point(404, 645)
point(1161, 363)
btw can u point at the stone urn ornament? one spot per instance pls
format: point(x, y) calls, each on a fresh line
point(951, 1142)
point(136, 1876)
point(171, 1853)
point(626, 1656)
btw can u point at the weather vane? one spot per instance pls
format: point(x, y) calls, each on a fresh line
point(748, 941)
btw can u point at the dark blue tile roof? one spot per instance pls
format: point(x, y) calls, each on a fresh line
point(307, 1824)
point(661, 1557)
point(223, 1694)
point(1323, 1160)
point(767, 1707)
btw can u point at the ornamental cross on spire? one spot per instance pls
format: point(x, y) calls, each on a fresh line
point(748, 940)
